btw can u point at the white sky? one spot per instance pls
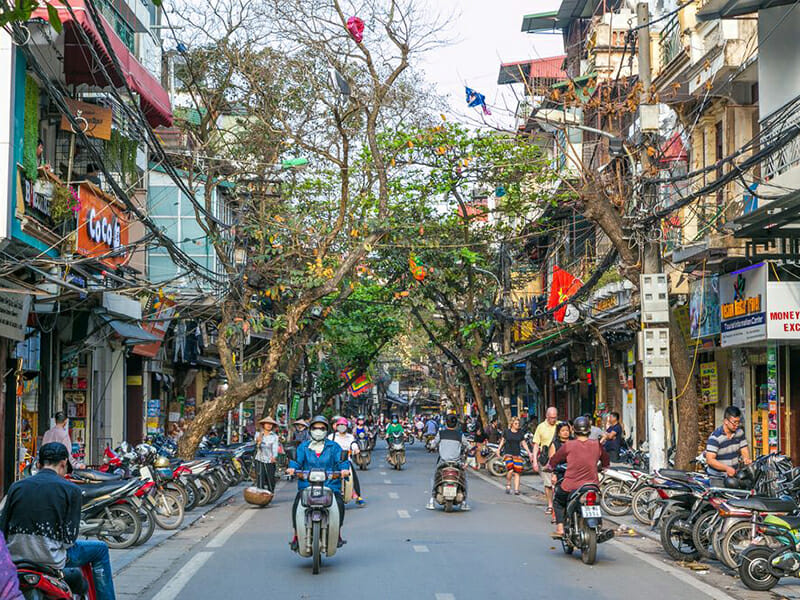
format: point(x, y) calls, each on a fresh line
point(486, 33)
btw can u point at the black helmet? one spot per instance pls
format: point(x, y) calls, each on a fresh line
point(581, 426)
point(319, 419)
point(451, 421)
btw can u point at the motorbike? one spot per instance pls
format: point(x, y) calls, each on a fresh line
point(364, 456)
point(583, 522)
point(397, 451)
point(105, 513)
point(37, 582)
point(450, 485)
point(317, 518)
point(430, 443)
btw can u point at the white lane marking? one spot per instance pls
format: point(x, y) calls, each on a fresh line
point(700, 586)
point(441, 596)
point(403, 514)
point(383, 472)
point(421, 549)
point(223, 536)
point(182, 577)
point(387, 481)
point(394, 495)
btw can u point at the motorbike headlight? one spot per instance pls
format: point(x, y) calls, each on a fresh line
point(317, 477)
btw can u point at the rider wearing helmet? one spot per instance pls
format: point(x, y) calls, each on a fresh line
point(581, 456)
point(450, 441)
point(347, 442)
point(319, 453)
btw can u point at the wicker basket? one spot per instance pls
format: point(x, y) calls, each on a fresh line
point(257, 496)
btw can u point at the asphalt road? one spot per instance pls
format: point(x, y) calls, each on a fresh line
point(397, 549)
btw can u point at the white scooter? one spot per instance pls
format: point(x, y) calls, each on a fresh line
point(317, 518)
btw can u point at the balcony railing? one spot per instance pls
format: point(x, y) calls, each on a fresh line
point(774, 127)
point(670, 45)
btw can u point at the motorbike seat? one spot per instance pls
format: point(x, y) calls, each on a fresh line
point(32, 566)
point(676, 475)
point(762, 504)
point(95, 476)
point(95, 490)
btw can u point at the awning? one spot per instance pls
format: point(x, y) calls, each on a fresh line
point(546, 71)
point(80, 66)
point(540, 22)
point(728, 9)
point(133, 334)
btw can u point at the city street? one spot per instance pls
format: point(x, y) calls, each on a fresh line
point(397, 549)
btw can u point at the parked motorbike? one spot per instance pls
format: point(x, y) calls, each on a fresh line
point(397, 451)
point(364, 456)
point(107, 516)
point(37, 582)
point(450, 485)
point(317, 518)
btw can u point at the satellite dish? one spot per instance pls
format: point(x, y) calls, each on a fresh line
point(572, 314)
point(339, 83)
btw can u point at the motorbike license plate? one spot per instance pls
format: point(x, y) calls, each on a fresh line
point(449, 492)
point(591, 512)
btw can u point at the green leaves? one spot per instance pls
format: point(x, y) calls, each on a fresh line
point(55, 20)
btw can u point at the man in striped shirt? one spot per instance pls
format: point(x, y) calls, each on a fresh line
point(727, 446)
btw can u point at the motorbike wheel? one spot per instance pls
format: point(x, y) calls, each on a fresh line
point(676, 543)
point(218, 486)
point(589, 548)
point(179, 490)
point(754, 569)
point(736, 540)
point(148, 526)
point(192, 494)
point(204, 491)
point(701, 535)
point(410, 441)
point(448, 506)
point(643, 505)
point(169, 511)
point(611, 505)
point(496, 467)
point(125, 524)
point(315, 550)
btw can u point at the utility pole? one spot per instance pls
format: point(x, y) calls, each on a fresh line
point(652, 338)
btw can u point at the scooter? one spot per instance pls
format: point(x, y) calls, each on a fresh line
point(583, 523)
point(364, 456)
point(430, 443)
point(450, 485)
point(317, 518)
point(397, 450)
point(105, 516)
point(37, 582)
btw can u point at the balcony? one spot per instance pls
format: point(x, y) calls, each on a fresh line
point(671, 44)
point(774, 127)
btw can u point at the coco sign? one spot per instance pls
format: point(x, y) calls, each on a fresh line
point(102, 227)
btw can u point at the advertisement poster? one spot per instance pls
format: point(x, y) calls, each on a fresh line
point(783, 310)
point(295, 412)
point(709, 386)
point(742, 297)
point(772, 396)
point(704, 311)
point(280, 414)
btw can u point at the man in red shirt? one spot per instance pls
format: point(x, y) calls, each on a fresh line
point(581, 456)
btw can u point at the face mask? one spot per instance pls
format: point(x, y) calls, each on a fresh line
point(394, 421)
point(318, 434)
point(341, 428)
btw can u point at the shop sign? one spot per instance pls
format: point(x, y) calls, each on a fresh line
point(704, 308)
point(98, 118)
point(783, 310)
point(14, 309)
point(102, 227)
point(742, 295)
point(158, 313)
point(709, 383)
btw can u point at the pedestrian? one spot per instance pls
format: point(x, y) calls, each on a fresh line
point(613, 437)
point(492, 433)
point(480, 443)
point(562, 436)
point(266, 454)
point(597, 432)
point(9, 588)
point(542, 438)
point(60, 433)
point(512, 441)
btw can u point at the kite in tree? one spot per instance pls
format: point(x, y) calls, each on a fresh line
point(562, 287)
point(417, 269)
point(356, 28)
point(475, 99)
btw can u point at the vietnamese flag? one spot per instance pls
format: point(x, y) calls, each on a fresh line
point(562, 286)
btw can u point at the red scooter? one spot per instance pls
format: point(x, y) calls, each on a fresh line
point(42, 583)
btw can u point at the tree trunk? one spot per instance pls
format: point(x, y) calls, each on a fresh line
point(686, 401)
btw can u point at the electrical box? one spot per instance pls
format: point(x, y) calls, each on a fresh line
point(648, 118)
point(654, 295)
point(654, 352)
